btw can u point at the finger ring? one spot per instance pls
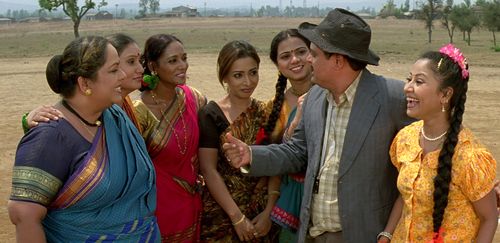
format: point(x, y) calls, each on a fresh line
point(255, 234)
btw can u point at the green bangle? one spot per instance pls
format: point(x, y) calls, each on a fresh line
point(24, 122)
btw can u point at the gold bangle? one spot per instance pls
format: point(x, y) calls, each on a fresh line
point(274, 193)
point(239, 221)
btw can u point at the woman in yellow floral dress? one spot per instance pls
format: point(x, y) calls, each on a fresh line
point(446, 177)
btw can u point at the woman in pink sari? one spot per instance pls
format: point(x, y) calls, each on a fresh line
point(167, 115)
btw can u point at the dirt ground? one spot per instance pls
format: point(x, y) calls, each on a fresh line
point(24, 87)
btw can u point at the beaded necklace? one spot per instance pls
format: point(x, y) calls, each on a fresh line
point(431, 139)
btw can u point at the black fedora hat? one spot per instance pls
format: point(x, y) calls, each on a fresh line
point(344, 33)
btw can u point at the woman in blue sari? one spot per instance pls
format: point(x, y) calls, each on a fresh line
point(86, 177)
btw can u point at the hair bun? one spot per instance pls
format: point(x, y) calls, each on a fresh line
point(53, 74)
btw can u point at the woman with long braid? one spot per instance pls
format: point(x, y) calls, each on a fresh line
point(288, 52)
point(446, 177)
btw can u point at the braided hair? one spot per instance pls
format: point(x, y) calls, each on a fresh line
point(279, 96)
point(451, 75)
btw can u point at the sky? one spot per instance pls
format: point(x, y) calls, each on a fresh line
point(168, 4)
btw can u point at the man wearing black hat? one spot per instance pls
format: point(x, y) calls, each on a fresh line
point(349, 120)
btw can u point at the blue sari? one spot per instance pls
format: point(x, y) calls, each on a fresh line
point(110, 195)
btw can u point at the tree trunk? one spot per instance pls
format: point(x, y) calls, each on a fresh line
point(76, 24)
point(430, 34)
point(468, 38)
point(463, 35)
point(494, 39)
point(451, 37)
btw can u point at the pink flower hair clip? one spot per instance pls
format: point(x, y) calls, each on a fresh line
point(455, 55)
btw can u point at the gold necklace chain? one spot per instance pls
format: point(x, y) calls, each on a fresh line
point(182, 150)
point(88, 130)
point(73, 112)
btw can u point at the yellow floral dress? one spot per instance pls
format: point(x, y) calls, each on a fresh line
point(473, 176)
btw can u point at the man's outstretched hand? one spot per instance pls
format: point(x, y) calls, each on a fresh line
point(236, 151)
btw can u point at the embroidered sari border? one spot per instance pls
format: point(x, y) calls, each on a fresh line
point(129, 110)
point(86, 178)
point(284, 218)
point(34, 184)
point(162, 133)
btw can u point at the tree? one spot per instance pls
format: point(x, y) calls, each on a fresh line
point(123, 13)
point(143, 7)
point(406, 7)
point(445, 20)
point(388, 9)
point(491, 17)
point(465, 19)
point(429, 12)
point(154, 6)
point(71, 9)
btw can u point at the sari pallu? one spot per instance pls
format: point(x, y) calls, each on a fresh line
point(128, 107)
point(249, 193)
point(173, 146)
point(111, 197)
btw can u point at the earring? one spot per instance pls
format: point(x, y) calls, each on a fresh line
point(442, 108)
point(88, 92)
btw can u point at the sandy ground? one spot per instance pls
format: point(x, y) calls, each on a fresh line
point(24, 87)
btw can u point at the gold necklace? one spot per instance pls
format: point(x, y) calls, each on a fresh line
point(182, 150)
point(92, 135)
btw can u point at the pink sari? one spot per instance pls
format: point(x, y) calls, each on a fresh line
point(173, 147)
